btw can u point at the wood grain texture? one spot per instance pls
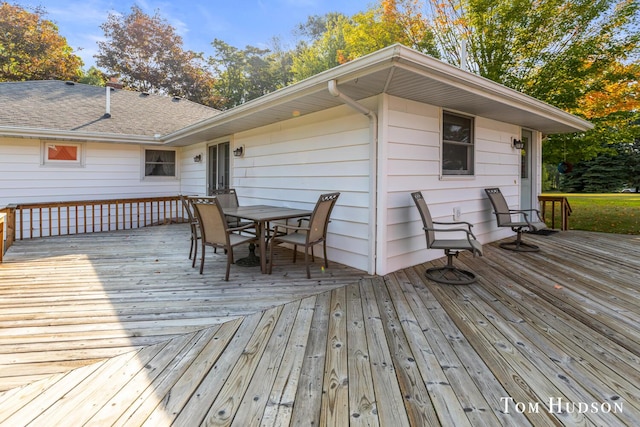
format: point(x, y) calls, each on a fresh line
point(127, 335)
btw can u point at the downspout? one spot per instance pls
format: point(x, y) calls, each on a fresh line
point(373, 182)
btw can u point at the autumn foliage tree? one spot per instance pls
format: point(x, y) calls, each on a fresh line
point(347, 38)
point(32, 49)
point(147, 54)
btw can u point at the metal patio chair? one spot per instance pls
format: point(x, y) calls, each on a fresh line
point(464, 240)
point(195, 228)
point(525, 220)
point(308, 236)
point(215, 230)
point(228, 198)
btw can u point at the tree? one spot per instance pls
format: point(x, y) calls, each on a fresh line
point(393, 21)
point(606, 173)
point(614, 109)
point(324, 52)
point(243, 75)
point(93, 77)
point(32, 49)
point(553, 50)
point(147, 54)
point(336, 38)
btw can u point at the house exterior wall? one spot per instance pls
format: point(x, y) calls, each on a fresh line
point(293, 162)
point(193, 175)
point(109, 171)
point(410, 161)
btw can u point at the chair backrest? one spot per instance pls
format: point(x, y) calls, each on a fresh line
point(320, 217)
point(213, 224)
point(500, 207)
point(227, 197)
point(427, 222)
point(186, 205)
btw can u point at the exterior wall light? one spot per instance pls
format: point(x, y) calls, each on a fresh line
point(518, 144)
point(239, 152)
point(197, 159)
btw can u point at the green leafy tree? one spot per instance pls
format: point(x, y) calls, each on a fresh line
point(614, 109)
point(243, 75)
point(147, 54)
point(325, 51)
point(93, 77)
point(554, 50)
point(32, 49)
point(606, 173)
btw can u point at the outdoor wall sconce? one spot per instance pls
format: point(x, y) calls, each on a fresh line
point(518, 144)
point(197, 159)
point(239, 152)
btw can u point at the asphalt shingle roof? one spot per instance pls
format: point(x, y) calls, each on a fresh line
point(65, 106)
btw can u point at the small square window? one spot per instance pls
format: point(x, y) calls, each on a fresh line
point(58, 154)
point(159, 163)
point(457, 144)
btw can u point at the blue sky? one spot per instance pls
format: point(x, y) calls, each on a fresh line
point(237, 22)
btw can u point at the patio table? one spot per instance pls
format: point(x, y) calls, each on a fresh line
point(261, 215)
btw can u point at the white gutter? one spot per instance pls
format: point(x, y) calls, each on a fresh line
point(64, 135)
point(373, 162)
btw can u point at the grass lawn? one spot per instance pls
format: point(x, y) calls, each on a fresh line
point(609, 213)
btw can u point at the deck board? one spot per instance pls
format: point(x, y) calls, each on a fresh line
point(114, 337)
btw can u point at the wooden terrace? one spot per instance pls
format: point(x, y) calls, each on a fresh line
point(116, 328)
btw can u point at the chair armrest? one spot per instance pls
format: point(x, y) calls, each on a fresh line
point(287, 227)
point(244, 227)
point(468, 232)
point(468, 224)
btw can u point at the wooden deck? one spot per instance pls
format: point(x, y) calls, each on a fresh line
point(117, 329)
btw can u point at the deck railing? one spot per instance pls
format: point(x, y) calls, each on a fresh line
point(33, 220)
point(564, 208)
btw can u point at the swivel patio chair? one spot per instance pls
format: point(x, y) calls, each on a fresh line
point(308, 236)
point(216, 231)
point(464, 240)
point(525, 220)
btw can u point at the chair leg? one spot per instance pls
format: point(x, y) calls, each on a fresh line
point(306, 261)
point(295, 252)
point(195, 254)
point(229, 260)
point(201, 260)
point(324, 247)
point(518, 245)
point(449, 274)
point(271, 245)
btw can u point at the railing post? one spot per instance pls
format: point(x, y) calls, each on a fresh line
point(565, 210)
point(8, 220)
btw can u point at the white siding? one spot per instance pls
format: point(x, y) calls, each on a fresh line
point(410, 161)
point(193, 176)
point(292, 163)
point(110, 171)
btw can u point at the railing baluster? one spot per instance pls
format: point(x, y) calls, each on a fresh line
point(142, 212)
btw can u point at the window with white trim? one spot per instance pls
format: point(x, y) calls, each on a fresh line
point(457, 144)
point(159, 163)
point(62, 154)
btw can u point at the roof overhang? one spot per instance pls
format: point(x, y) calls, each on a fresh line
point(397, 71)
point(75, 136)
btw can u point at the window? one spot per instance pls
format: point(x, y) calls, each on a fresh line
point(457, 144)
point(65, 154)
point(159, 163)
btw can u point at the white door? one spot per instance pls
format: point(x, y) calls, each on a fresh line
point(218, 167)
point(526, 175)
